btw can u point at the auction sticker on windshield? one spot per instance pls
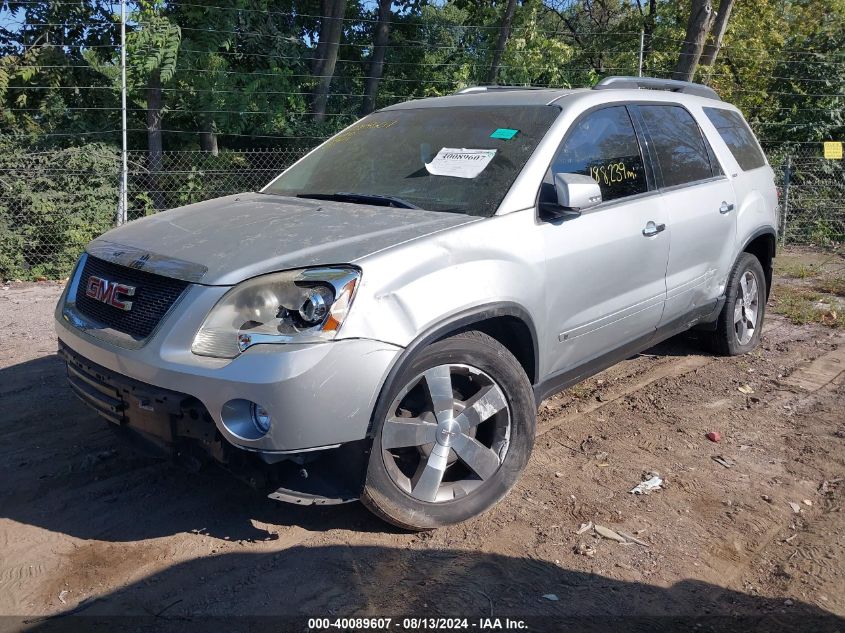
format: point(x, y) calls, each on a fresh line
point(460, 163)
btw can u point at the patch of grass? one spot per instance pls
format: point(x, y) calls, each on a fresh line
point(831, 285)
point(581, 391)
point(794, 268)
point(800, 306)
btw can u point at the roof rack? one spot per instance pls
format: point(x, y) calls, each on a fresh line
point(653, 83)
point(472, 89)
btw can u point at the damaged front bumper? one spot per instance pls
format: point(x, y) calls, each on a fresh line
point(179, 425)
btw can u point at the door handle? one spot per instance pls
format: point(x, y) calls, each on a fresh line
point(726, 208)
point(652, 229)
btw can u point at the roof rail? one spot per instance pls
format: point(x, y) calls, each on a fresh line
point(472, 89)
point(653, 83)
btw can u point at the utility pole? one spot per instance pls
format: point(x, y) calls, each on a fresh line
point(642, 46)
point(123, 205)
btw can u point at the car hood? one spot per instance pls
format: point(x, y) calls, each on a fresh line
point(227, 240)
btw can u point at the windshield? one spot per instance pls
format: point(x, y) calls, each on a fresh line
point(457, 159)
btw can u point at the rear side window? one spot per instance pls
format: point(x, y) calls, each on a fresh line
point(737, 136)
point(676, 138)
point(603, 145)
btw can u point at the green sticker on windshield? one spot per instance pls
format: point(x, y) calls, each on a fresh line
point(504, 133)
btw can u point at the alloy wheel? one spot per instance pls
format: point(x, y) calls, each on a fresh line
point(446, 433)
point(747, 308)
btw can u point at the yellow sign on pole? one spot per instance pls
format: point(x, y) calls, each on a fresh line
point(833, 150)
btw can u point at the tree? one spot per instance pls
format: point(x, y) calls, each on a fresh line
point(325, 59)
point(501, 42)
point(152, 51)
point(711, 50)
point(376, 66)
point(698, 27)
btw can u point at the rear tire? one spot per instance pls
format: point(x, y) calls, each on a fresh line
point(455, 435)
point(740, 323)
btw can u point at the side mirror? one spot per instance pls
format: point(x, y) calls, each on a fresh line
point(575, 193)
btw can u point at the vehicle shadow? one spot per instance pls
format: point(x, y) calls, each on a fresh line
point(69, 472)
point(344, 581)
point(66, 470)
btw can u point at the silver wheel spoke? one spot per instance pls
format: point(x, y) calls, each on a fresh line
point(742, 331)
point(743, 284)
point(751, 294)
point(427, 482)
point(482, 406)
point(402, 432)
point(738, 312)
point(482, 460)
point(751, 318)
point(439, 383)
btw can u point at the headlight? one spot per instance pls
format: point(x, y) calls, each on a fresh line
point(298, 306)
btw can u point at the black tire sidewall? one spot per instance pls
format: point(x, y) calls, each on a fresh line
point(383, 496)
point(730, 343)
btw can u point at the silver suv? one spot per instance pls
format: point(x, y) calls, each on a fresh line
point(381, 320)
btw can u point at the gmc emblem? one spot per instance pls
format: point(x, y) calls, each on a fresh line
point(107, 292)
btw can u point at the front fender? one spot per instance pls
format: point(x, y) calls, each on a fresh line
point(409, 290)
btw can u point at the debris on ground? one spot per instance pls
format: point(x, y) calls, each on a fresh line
point(633, 539)
point(62, 595)
point(827, 487)
point(551, 596)
point(609, 534)
point(652, 483)
point(746, 389)
point(714, 436)
point(722, 461)
point(584, 527)
point(795, 507)
point(807, 502)
point(583, 549)
point(766, 498)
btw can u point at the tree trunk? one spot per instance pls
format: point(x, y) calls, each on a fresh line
point(648, 32)
point(208, 137)
point(711, 50)
point(154, 145)
point(504, 34)
point(331, 29)
point(699, 25)
point(377, 61)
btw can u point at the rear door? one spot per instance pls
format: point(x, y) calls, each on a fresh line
point(605, 269)
point(699, 203)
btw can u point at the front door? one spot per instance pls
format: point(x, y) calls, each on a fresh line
point(606, 268)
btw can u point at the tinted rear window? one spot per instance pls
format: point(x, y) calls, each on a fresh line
point(738, 137)
point(681, 150)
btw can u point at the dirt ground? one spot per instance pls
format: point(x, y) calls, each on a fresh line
point(87, 526)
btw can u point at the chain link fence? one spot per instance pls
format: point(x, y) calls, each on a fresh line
point(53, 202)
point(812, 195)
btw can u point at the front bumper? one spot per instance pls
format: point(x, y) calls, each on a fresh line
point(318, 395)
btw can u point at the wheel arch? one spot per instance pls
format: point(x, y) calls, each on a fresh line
point(763, 245)
point(508, 323)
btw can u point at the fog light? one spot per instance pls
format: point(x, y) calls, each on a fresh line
point(260, 418)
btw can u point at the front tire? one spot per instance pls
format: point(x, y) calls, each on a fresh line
point(455, 436)
point(740, 323)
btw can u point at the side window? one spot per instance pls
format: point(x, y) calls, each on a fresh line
point(677, 140)
point(737, 136)
point(603, 145)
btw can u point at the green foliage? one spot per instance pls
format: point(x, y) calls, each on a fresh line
point(43, 228)
point(239, 76)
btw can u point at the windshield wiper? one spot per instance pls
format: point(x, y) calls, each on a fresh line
point(362, 198)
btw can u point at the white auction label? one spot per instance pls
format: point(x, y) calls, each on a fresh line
point(460, 163)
